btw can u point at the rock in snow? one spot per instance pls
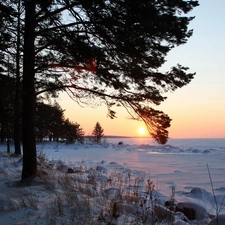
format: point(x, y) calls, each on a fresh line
point(180, 222)
point(192, 211)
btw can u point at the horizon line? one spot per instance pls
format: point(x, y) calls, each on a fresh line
point(138, 136)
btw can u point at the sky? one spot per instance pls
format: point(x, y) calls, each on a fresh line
point(198, 109)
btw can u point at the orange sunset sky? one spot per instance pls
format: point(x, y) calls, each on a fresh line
point(198, 109)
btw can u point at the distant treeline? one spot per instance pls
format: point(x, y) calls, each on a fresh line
point(50, 121)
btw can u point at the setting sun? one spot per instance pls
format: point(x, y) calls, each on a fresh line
point(142, 131)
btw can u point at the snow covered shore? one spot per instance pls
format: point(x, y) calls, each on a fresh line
point(118, 184)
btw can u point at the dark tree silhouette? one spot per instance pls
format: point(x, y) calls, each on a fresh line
point(29, 97)
point(72, 132)
point(110, 51)
point(97, 133)
point(17, 102)
point(6, 20)
point(49, 121)
point(12, 57)
point(115, 56)
point(7, 95)
point(10, 52)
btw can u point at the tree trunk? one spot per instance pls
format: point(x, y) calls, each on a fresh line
point(7, 137)
point(17, 96)
point(29, 145)
point(17, 135)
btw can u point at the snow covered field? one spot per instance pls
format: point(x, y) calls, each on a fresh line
point(147, 174)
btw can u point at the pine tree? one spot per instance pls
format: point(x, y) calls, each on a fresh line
point(97, 133)
point(72, 132)
point(10, 57)
point(49, 120)
point(111, 51)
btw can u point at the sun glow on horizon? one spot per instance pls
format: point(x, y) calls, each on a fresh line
point(142, 131)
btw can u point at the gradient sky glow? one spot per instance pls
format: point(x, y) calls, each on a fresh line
point(198, 109)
